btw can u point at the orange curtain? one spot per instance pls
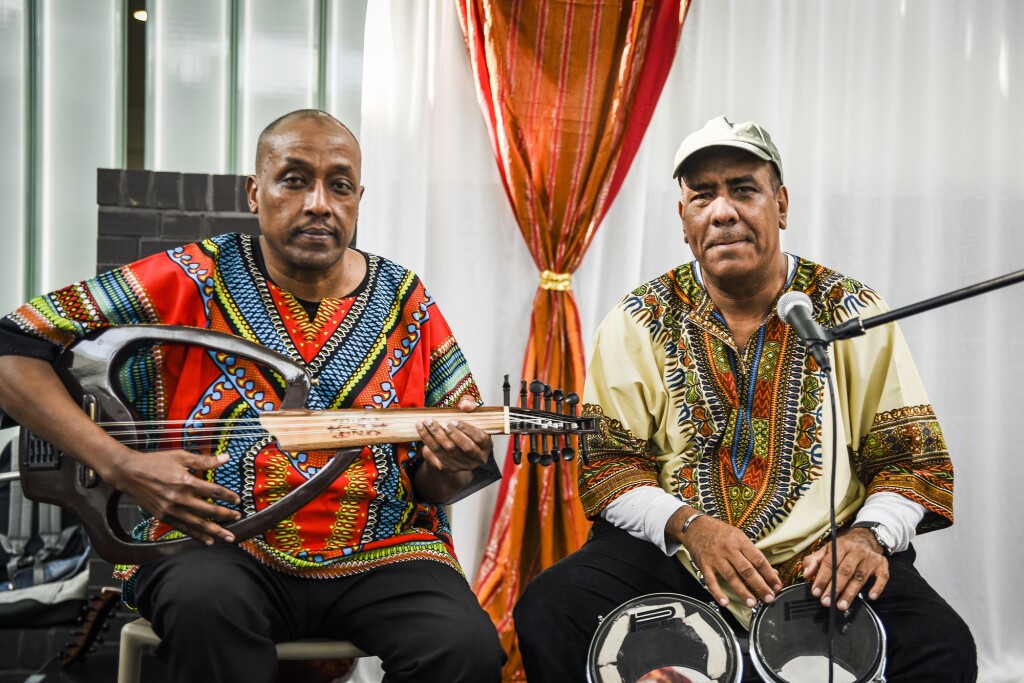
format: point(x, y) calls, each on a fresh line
point(567, 89)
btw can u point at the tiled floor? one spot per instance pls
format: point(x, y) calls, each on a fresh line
point(99, 668)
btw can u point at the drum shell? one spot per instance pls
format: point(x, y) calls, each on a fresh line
point(796, 624)
point(650, 650)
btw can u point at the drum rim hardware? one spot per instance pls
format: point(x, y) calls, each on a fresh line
point(876, 672)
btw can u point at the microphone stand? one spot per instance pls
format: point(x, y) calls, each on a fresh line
point(854, 327)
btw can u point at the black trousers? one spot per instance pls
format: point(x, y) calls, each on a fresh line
point(559, 611)
point(219, 612)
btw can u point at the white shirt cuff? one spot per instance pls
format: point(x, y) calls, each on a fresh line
point(900, 514)
point(644, 512)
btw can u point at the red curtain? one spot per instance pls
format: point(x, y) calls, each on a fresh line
point(567, 89)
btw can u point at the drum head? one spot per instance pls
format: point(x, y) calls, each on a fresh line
point(789, 640)
point(664, 638)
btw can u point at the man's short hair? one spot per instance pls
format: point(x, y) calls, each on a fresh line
point(293, 116)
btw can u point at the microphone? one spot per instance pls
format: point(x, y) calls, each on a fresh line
point(795, 309)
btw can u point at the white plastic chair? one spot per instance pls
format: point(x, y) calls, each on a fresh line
point(137, 634)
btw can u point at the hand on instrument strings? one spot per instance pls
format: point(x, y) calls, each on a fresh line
point(860, 558)
point(451, 451)
point(162, 484)
point(455, 446)
point(720, 550)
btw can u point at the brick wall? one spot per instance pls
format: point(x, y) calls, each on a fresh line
point(145, 212)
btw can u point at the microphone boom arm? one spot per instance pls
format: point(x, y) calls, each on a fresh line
point(854, 327)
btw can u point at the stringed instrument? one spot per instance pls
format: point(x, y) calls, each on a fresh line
point(90, 627)
point(89, 370)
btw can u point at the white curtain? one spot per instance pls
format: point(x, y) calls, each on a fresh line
point(900, 129)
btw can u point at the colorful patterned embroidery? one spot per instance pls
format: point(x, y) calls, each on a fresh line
point(447, 384)
point(881, 459)
point(384, 346)
point(400, 355)
point(755, 420)
point(61, 317)
point(618, 462)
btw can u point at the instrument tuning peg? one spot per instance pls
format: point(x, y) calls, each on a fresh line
point(568, 453)
point(558, 396)
point(545, 459)
point(572, 399)
point(522, 393)
point(506, 389)
point(536, 389)
point(517, 456)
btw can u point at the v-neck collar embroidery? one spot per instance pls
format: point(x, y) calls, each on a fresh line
point(302, 335)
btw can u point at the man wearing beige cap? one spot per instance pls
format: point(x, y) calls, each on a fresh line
point(712, 474)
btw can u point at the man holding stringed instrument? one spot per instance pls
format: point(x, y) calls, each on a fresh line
point(370, 559)
point(712, 475)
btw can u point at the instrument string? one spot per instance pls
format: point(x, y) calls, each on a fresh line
point(156, 433)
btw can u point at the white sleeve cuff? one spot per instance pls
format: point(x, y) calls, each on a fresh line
point(900, 514)
point(644, 512)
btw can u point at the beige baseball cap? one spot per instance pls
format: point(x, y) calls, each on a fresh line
point(747, 136)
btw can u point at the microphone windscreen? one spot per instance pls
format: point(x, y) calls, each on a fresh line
point(790, 301)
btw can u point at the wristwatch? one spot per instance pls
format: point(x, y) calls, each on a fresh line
point(882, 533)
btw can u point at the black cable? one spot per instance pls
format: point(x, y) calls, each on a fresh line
point(832, 529)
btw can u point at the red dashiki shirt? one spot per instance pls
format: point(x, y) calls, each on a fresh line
point(386, 345)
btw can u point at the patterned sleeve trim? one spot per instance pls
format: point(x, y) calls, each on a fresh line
point(61, 317)
point(450, 378)
point(618, 462)
point(905, 453)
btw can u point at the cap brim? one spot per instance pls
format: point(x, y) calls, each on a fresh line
point(747, 147)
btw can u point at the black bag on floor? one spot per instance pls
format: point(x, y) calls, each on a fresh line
point(44, 553)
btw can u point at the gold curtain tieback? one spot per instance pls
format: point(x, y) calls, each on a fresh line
point(560, 282)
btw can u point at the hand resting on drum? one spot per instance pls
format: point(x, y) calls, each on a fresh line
point(721, 550)
point(860, 558)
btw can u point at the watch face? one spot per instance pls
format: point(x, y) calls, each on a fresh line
point(885, 537)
